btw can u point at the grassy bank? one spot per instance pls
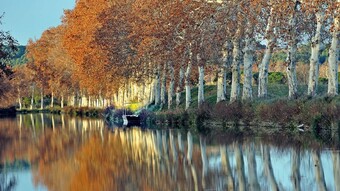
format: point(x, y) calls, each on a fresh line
point(72, 111)
point(261, 116)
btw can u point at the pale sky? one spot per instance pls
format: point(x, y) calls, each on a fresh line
point(26, 19)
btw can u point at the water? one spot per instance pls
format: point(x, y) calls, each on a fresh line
point(53, 152)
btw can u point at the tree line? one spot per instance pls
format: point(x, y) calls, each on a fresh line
point(114, 51)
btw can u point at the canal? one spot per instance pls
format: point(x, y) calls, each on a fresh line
point(57, 152)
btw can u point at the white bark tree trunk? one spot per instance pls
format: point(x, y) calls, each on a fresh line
point(179, 88)
point(200, 85)
point(41, 100)
point(62, 101)
point(52, 99)
point(220, 84)
point(248, 67)
point(264, 66)
point(315, 54)
point(236, 75)
point(32, 100)
point(19, 100)
point(333, 61)
point(157, 86)
point(291, 56)
point(171, 85)
point(222, 71)
point(163, 87)
point(152, 92)
point(188, 82)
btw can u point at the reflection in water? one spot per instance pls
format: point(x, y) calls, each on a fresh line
point(319, 171)
point(295, 158)
point(268, 169)
point(252, 174)
point(82, 154)
point(7, 183)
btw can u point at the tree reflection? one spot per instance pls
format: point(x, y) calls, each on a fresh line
point(7, 184)
point(319, 176)
point(295, 158)
point(80, 154)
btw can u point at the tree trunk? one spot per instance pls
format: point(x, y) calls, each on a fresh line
point(235, 80)
point(52, 100)
point(62, 101)
point(152, 92)
point(248, 68)
point(291, 56)
point(264, 66)
point(157, 86)
point(171, 85)
point(200, 85)
point(222, 71)
point(41, 100)
point(163, 87)
point(333, 61)
point(188, 82)
point(32, 100)
point(315, 54)
point(19, 100)
point(220, 84)
point(179, 88)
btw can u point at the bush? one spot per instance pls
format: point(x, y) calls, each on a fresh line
point(276, 78)
point(280, 111)
point(323, 81)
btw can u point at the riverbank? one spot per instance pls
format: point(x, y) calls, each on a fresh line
point(318, 116)
point(72, 111)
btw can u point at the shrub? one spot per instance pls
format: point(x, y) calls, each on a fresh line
point(276, 78)
point(323, 80)
point(280, 112)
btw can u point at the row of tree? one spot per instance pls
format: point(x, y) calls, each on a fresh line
point(152, 51)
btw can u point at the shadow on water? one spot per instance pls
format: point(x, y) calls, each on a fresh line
point(67, 153)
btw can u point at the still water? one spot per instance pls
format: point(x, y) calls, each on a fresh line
point(53, 152)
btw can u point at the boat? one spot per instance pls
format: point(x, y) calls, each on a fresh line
point(130, 120)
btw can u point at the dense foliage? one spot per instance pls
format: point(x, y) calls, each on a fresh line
point(149, 50)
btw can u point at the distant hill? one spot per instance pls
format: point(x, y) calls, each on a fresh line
point(19, 57)
point(21, 51)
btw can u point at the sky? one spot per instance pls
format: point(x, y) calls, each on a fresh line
point(26, 19)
